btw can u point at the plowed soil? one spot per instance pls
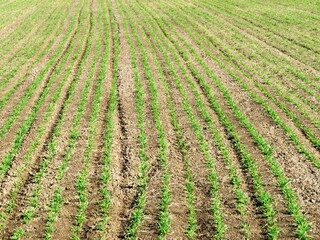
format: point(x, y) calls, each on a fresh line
point(184, 119)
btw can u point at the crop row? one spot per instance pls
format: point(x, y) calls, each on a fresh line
point(107, 160)
point(247, 44)
point(234, 175)
point(261, 142)
point(34, 146)
point(57, 200)
point(268, 109)
point(242, 47)
point(245, 21)
point(19, 54)
point(9, 79)
point(241, 196)
point(83, 179)
point(192, 226)
point(21, 32)
point(37, 50)
point(13, 10)
point(28, 124)
point(64, 129)
point(164, 221)
point(140, 204)
point(42, 78)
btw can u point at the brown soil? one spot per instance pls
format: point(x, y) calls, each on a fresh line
point(37, 162)
point(125, 165)
point(178, 208)
point(276, 137)
point(272, 187)
point(278, 143)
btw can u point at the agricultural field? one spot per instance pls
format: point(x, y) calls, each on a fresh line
point(139, 119)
